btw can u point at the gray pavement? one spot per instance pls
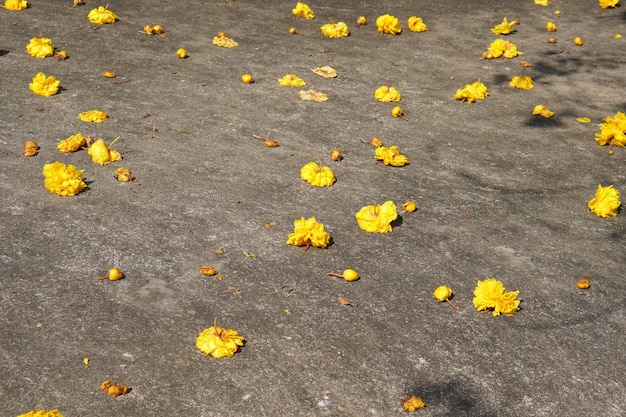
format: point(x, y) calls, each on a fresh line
point(501, 194)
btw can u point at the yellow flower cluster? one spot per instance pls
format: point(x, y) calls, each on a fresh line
point(391, 156)
point(472, 92)
point(605, 4)
point(335, 30)
point(388, 24)
point(40, 47)
point(318, 175)
point(63, 180)
point(523, 82)
point(308, 233)
point(101, 16)
point(93, 116)
point(543, 111)
point(219, 342)
point(501, 49)
point(303, 10)
point(503, 28)
point(15, 4)
point(72, 143)
point(42, 413)
point(101, 154)
point(606, 202)
point(291, 80)
point(613, 131)
point(387, 94)
point(44, 86)
point(416, 24)
point(490, 295)
point(377, 218)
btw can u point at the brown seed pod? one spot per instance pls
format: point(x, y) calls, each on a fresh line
point(30, 148)
point(114, 389)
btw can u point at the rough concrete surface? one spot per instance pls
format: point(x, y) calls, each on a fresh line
point(501, 193)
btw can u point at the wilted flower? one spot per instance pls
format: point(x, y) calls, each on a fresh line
point(325, 71)
point(613, 131)
point(335, 30)
point(412, 403)
point(123, 174)
point(40, 47)
point(303, 10)
point(387, 94)
point(63, 180)
point(551, 26)
point(377, 218)
point(114, 389)
point(501, 49)
point(44, 86)
point(391, 156)
point(503, 28)
point(388, 24)
point(409, 206)
point(523, 82)
point(543, 111)
point(101, 15)
point(101, 154)
point(312, 95)
point(606, 202)
point(224, 41)
point(605, 4)
point(416, 24)
point(72, 143)
point(472, 92)
point(291, 80)
point(318, 175)
point(490, 295)
point(42, 413)
point(583, 283)
point(30, 148)
point(94, 116)
point(308, 233)
point(219, 342)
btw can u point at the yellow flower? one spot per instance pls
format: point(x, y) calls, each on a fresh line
point(542, 2)
point(335, 30)
point(101, 16)
point(391, 156)
point(42, 413)
point(63, 180)
point(325, 71)
point(612, 131)
point(501, 49)
point(181, 53)
point(523, 82)
point(219, 342)
point(583, 120)
point(15, 5)
point(605, 4)
point(416, 24)
point(94, 116)
point(44, 86)
point(224, 41)
point(101, 154)
point(551, 27)
point(377, 218)
point(40, 47)
point(387, 94)
point(72, 143)
point(409, 206)
point(606, 202)
point(312, 95)
point(543, 111)
point(388, 24)
point(303, 10)
point(291, 80)
point(503, 28)
point(412, 403)
point(471, 92)
point(308, 233)
point(318, 175)
point(490, 295)
point(442, 293)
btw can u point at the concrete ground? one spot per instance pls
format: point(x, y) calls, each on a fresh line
point(501, 193)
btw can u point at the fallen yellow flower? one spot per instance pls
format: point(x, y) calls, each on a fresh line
point(377, 218)
point(551, 26)
point(543, 111)
point(503, 28)
point(303, 10)
point(391, 156)
point(318, 175)
point(412, 403)
point(101, 154)
point(472, 92)
point(101, 16)
point(42, 413)
point(388, 24)
point(335, 30)
point(542, 2)
point(308, 233)
point(291, 80)
point(181, 53)
point(312, 95)
point(114, 389)
point(94, 116)
point(123, 174)
point(523, 82)
point(612, 131)
point(605, 4)
point(606, 202)
point(416, 24)
point(387, 94)
point(72, 143)
point(63, 180)
point(325, 71)
point(15, 4)
point(224, 41)
point(40, 47)
point(409, 206)
point(490, 295)
point(44, 86)
point(219, 342)
point(501, 49)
